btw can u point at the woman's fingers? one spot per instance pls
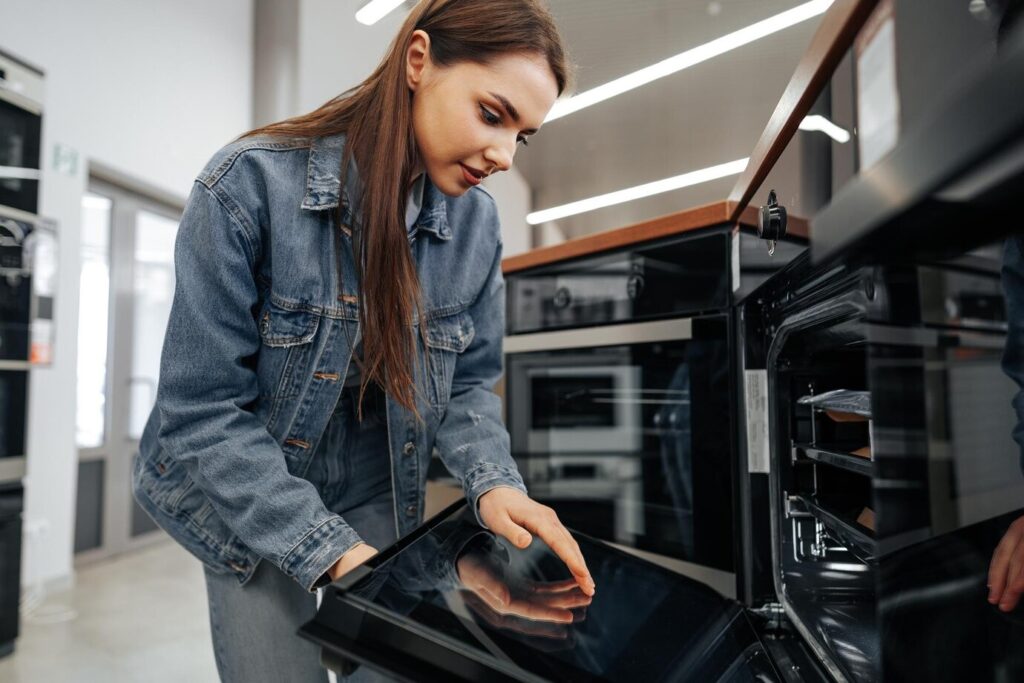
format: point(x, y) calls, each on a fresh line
point(504, 526)
point(543, 521)
point(1014, 580)
point(1000, 565)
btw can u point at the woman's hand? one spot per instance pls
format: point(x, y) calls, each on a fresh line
point(511, 513)
point(354, 557)
point(1006, 573)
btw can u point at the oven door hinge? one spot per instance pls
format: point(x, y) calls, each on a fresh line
point(772, 612)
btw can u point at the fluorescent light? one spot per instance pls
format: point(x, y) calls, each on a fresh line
point(375, 10)
point(689, 58)
point(816, 122)
point(657, 187)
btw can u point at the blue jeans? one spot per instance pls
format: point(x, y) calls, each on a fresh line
point(254, 627)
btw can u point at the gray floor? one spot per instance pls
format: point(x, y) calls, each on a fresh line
point(139, 617)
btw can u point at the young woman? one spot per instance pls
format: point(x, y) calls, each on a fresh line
point(338, 318)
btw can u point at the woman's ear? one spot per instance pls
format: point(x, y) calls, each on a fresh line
point(417, 59)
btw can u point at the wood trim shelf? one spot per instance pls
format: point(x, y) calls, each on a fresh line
point(834, 37)
point(706, 216)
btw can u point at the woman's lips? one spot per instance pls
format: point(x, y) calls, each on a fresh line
point(470, 177)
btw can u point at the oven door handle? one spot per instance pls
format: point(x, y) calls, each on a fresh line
point(679, 329)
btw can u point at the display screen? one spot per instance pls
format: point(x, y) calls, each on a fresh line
point(644, 623)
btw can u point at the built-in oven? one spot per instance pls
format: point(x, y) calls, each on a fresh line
point(623, 430)
point(21, 120)
point(18, 303)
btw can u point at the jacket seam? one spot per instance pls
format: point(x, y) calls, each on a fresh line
point(232, 211)
point(212, 178)
point(287, 558)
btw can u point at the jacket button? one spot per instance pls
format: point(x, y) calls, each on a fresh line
point(409, 448)
point(411, 510)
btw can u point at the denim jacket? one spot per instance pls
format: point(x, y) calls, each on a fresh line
point(258, 345)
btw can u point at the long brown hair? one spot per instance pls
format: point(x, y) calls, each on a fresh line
point(376, 117)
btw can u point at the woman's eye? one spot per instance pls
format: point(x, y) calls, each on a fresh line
point(489, 116)
point(523, 141)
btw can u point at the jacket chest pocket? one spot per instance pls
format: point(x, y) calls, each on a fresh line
point(447, 337)
point(286, 344)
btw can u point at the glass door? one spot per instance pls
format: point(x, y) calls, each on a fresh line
point(126, 288)
point(625, 432)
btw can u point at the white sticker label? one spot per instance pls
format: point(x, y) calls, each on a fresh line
point(755, 389)
point(735, 261)
point(878, 102)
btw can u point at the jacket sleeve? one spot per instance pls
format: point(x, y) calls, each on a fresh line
point(471, 439)
point(206, 383)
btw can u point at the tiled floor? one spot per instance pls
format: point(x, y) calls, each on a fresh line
point(139, 617)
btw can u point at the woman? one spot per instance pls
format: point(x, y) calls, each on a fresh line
point(338, 317)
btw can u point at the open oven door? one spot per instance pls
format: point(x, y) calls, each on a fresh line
point(408, 614)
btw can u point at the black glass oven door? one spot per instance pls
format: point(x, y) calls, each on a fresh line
point(425, 609)
point(630, 443)
point(13, 385)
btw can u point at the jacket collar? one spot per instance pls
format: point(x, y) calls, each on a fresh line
point(323, 188)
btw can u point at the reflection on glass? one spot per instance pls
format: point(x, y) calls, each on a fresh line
point(93, 307)
point(631, 443)
point(152, 292)
point(519, 611)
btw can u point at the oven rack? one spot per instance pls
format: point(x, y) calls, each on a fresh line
point(860, 543)
point(835, 458)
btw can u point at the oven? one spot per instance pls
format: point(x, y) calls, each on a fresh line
point(617, 394)
point(21, 236)
point(21, 120)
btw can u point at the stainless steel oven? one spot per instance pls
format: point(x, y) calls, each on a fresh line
point(21, 120)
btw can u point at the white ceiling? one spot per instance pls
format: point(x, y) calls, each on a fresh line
point(709, 114)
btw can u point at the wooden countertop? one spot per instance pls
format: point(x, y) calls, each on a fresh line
point(707, 216)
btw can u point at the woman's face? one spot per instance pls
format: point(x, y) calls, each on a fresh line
point(469, 118)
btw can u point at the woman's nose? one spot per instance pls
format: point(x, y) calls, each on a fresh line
point(500, 157)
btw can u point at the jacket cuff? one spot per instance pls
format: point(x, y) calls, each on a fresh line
point(486, 477)
point(311, 558)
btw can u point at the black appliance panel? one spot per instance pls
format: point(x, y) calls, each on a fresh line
point(670, 277)
point(13, 393)
point(11, 504)
point(407, 612)
point(15, 287)
point(20, 132)
point(631, 443)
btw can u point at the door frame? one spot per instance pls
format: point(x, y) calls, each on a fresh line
point(118, 449)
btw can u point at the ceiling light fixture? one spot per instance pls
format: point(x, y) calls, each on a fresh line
point(816, 122)
point(375, 10)
point(691, 57)
point(629, 194)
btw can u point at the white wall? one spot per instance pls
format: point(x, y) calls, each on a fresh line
point(150, 89)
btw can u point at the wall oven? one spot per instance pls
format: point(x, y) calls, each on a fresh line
point(21, 120)
point(618, 392)
point(26, 322)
